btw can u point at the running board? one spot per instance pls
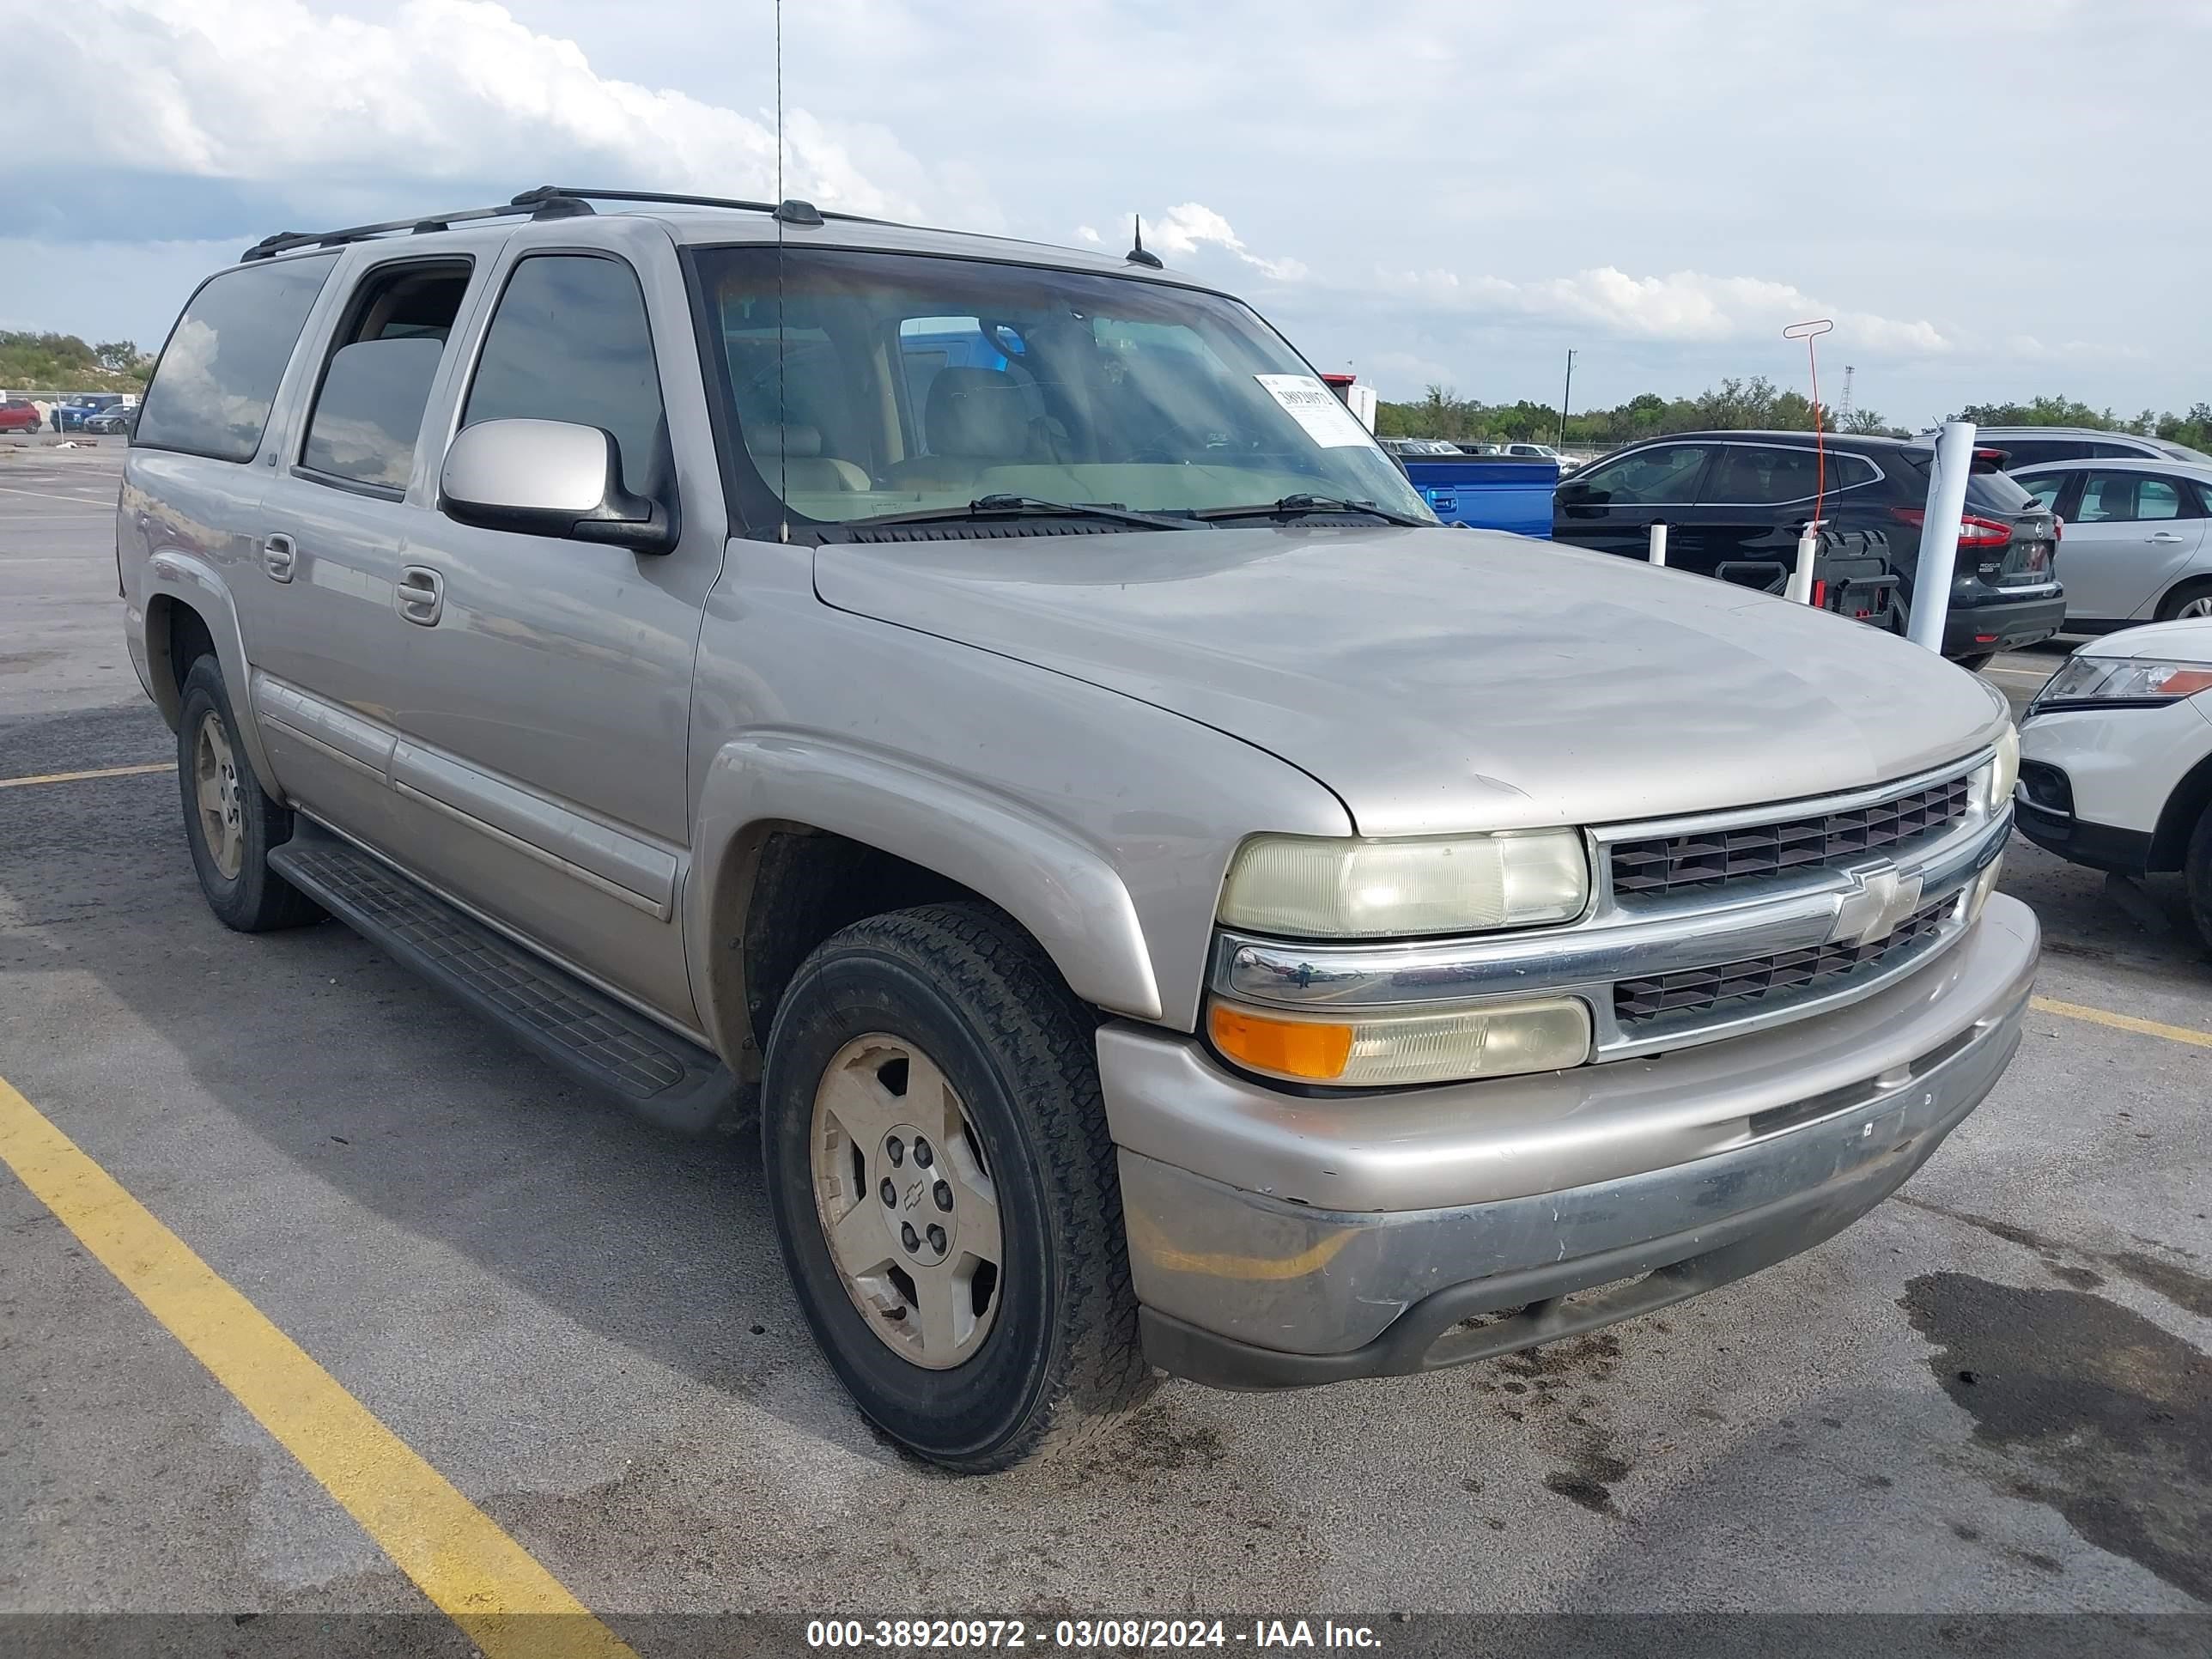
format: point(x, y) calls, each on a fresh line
point(660, 1076)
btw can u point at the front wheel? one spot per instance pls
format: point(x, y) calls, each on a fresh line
point(230, 821)
point(945, 1188)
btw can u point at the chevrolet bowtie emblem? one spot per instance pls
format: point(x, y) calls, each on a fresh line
point(1885, 896)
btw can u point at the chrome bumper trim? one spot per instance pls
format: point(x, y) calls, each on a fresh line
point(1632, 939)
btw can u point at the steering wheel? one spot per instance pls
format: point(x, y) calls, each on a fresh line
point(1159, 450)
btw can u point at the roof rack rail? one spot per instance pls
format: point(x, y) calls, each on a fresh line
point(545, 202)
point(791, 213)
point(541, 203)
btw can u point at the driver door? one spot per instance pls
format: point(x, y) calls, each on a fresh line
point(1611, 506)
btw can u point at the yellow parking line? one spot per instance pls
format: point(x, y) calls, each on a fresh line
point(78, 777)
point(2121, 1022)
point(478, 1575)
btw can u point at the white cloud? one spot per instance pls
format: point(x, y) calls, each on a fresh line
point(1521, 179)
point(1085, 234)
point(1182, 230)
point(273, 91)
point(1682, 306)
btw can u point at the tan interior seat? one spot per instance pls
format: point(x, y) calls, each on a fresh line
point(791, 456)
point(973, 419)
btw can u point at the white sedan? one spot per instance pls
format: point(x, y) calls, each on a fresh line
point(2137, 545)
point(2116, 756)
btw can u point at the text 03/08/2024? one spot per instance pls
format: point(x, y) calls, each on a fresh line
point(1117, 1634)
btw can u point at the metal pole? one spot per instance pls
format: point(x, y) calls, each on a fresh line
point(1799, 589)
point(1659, 542)
point(1564, 397)
point(1939, 534)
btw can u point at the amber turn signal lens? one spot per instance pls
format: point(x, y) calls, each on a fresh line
point(1287, 1048)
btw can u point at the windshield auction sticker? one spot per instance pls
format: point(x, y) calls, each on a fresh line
point(1316, 408)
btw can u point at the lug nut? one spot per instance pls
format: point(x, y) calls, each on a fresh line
point(922, 1155)
point(906, 1236)
point(937, 1238)
point(890, 1193)
point(942, 1192)
point(895, 1149)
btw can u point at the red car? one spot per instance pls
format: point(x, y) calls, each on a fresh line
point(18, 415)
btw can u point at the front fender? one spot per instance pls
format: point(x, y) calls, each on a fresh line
point(1058, 887)
point(188, 579)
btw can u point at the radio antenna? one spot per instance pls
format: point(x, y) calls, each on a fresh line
point(782, 390)
point(1138, 254)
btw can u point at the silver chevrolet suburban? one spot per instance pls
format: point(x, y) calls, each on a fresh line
point(988, 710)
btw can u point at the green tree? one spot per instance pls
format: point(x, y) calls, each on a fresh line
point(118, 356)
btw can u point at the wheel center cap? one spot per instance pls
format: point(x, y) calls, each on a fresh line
point(915, 1194)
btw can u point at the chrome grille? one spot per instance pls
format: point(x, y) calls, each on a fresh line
point(1711, 858)
point(1735, 985)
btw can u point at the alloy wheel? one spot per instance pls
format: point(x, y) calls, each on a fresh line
point(215, 787)
point(906, 1200)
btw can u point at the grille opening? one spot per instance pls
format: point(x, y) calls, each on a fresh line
point(1670, 864)
point(1786, 975)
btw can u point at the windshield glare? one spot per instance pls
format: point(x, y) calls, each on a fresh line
point(907, 383)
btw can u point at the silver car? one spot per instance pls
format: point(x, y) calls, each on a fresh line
point(2135, 548)
point(991, 713)
point(2032, 446)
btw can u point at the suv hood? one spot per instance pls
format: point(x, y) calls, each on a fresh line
point(1441, 680)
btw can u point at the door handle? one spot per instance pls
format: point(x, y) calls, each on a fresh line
point(278, 554)
point(421, 595)
point(2166, 539)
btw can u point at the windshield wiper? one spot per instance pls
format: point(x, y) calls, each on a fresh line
point(1295, 506)
point(1029, 507)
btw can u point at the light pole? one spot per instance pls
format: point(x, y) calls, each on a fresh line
point(1566, 393)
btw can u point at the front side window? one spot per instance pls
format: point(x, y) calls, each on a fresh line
point(889, 384)
point(219, 373)
point(368, 412)
point(2046, 490)
point(1663, 475)
point(571, 342)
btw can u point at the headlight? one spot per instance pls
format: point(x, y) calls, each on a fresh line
point(2124, 680)
point(1993, 782)
point(1396, 1049)
point(1303, 887)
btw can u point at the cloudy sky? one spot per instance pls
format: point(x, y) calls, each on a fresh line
point(1991, 197)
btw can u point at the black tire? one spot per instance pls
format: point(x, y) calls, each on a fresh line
point(1976, 661)
point(2200, 878)
point(256, 899)
point(968, 988)
point(2188, 593)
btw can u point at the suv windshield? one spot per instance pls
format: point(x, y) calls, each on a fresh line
point(909, 383)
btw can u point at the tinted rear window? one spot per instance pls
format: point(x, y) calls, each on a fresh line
point(219, 373)
point(1986, 492)
point(1996, 492)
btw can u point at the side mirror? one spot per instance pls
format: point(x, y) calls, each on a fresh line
point(548, 478)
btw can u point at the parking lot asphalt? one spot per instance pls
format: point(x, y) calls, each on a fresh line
point(1992, 1395)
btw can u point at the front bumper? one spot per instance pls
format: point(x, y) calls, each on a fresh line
point(1278, 1240)
point(2000, 623)
point(2097, 782)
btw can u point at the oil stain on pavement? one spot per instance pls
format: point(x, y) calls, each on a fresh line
point(2110, 1414)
